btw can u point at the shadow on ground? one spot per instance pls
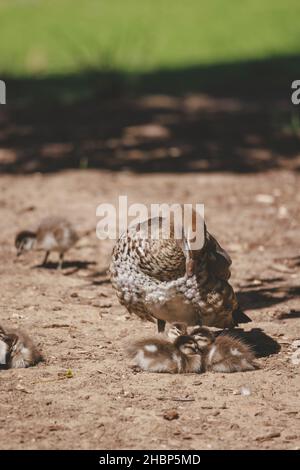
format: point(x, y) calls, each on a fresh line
point(266, 297)
point(72, 266)
point(226, 117)
point(262, 344)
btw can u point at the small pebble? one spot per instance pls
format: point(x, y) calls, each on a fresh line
point(244, 391)
point(171, 414)
point(264, 198)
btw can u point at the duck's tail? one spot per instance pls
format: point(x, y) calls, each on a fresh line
point(239, 316)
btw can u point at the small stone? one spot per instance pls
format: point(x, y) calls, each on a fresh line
point(295, 359)
point(234, 426)
point(290, 437)
point(245, 391)
point(295, 344)
point(17, 316)
point(22, 389)
point(128, 394)
point(266, 437)
point(282, 212)
point(264, 198)
point(171, 414)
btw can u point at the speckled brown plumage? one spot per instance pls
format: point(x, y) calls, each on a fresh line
point(158, 279)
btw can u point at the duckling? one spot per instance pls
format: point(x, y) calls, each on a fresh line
point(53, 234)
point(224, 353)
point(4, 348)
point(164, 279)
point(159, 355)
point(17, 350)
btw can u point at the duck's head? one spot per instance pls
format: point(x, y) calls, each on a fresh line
point(24, 241)
point(187, 345)
point(203, 336)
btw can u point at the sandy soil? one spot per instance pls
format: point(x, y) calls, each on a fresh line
point(75, 317)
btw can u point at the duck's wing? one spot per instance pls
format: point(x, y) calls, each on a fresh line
point(156, 253)
point(140, 311)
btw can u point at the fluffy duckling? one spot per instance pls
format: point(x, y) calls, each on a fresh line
point(53, 234)
point(159, 355)
point(224, 353)
point(17, 350)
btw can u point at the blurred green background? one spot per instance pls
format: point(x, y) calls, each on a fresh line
point(132, 36)
point(139, 43)
point(225, 68)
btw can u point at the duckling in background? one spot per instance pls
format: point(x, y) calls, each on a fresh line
point(53, 234)
point(224, 353)
point(17, 350)
point(159, 355)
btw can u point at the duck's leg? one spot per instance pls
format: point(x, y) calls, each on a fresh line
point(161, 325)
point(61, 260)
point(46, 257)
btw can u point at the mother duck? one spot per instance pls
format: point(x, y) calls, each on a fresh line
point(162, 279)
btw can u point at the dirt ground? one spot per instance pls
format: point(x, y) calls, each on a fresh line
point(75, 317)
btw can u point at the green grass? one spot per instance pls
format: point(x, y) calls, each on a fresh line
point(53, 37)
